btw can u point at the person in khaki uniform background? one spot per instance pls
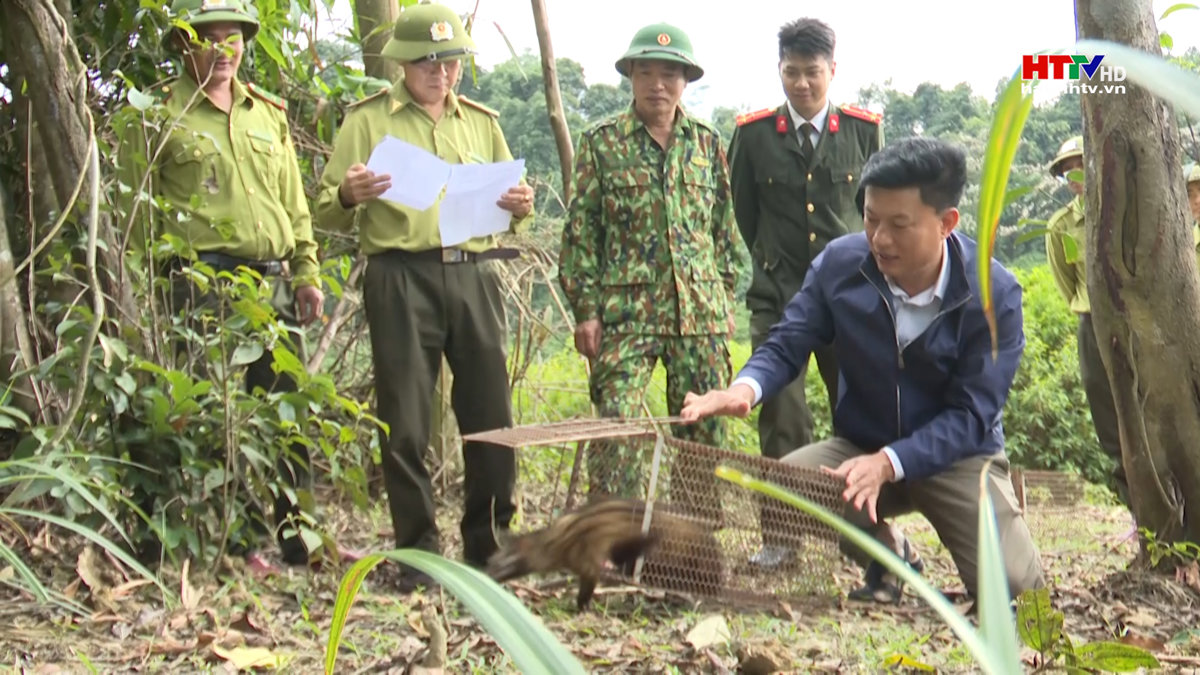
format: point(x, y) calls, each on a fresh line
point(423, 300)
point(228, 169)
point(1066, 242)
point(647, 262)
point(794, 170)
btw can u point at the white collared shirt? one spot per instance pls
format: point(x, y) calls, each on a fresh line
point(914, 314)
point(817, 121)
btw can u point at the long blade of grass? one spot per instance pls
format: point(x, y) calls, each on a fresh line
point(995, 618)
point(48, 471)
point(101, 541)
point(1012, 109)
point(990, 660)
point(347, 592)
point(31, 581)
point(522, 636)
point(1157, 75)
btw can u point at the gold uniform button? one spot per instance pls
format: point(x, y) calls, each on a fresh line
point(770, 180)
point(272, 148)
point(251, 191)
point(812, 236)
point(810, 176)
point(811, 208)
point(196, 153)
point(260, 224)
point(849, 178)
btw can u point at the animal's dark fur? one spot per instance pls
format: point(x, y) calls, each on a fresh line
point(680, 554)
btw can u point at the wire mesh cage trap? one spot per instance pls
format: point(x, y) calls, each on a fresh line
point(723, 541)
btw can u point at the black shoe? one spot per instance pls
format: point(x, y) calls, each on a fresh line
point(772, 557)
point(883, 586)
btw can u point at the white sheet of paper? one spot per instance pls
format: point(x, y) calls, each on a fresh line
point(469, 208)
point(418, 175)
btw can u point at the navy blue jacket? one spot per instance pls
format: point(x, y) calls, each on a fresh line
point(937, 401)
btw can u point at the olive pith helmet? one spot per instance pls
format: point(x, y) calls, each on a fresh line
point(200, 12)
point(1193, 174)
point(1072, 147)
point(662, 42)
point(428, 32)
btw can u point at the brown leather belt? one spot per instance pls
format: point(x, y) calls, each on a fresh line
point(451, 256)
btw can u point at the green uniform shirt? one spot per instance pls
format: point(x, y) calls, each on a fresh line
point(787, 212)
point(231, 181)
point(1067, 259)
point(649, 245)
point(467, 133)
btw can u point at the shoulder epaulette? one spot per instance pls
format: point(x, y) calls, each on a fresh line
point(478, 106)
point(860, 113)
point(746, 118)
point(267, 96)
point(371, 97)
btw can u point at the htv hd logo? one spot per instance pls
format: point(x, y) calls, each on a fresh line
point(1079, 71)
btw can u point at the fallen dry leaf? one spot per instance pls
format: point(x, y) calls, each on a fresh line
point(1189, 575)
point(7, 573)
point(1142, 618)
point(246, 658)
point(245, 623)
point(188, 595)
point(88, 567)
point(711, 630)
point(172, 647)
point(1148, 643)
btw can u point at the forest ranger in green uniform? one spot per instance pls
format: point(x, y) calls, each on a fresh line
point(423, 300)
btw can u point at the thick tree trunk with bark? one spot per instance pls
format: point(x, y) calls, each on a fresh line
point(16, 352)
point(558, 120)
point(374, 19)
point(1143, 281)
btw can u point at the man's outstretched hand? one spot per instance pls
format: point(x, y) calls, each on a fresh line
point(736, 401)
point(865, 475)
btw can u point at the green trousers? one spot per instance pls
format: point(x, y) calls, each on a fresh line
point(417, 310)
point(950, 501)
point(784, 420)
point(1100, 400)
point(293, 462)
point(621, 373)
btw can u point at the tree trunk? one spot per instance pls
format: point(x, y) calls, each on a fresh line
point(56, 85)
point(558, 120)
point(369, 16)
point(16, 343)
point(1142, 280)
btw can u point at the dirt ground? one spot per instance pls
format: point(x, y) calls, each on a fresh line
point(227, 618)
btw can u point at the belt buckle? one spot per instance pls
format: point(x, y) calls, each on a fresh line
point(453, 255)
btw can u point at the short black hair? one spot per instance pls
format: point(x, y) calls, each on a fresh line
point(806, 37)
point(937, 168)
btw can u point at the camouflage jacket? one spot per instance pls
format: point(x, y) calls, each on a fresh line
point(650, 242)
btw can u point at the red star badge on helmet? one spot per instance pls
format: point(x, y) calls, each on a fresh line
point(664, 39)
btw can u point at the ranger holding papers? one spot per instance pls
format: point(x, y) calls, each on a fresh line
point(423, 300)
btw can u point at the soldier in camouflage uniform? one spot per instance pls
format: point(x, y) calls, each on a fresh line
point(648, 251)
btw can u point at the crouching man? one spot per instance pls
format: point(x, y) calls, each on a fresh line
point(921, 397)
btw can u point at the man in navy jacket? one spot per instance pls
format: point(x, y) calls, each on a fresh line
point(920, 395)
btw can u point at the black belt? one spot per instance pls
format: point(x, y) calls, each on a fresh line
point(229, 263)
point(450, 256)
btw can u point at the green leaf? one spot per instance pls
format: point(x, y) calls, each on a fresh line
point(902, 661)
point(1015, 194)
point(1032, 234)
point(1070, 248)
point(1038, 624)
point(1159, 76)
point(1012, 109)
point(139, 100)
point(1165, 41)
point(1114, 657)
point(1176, 7)
point(246, 354)
point(522, 636)
point(989, 659)
point(267, 42)
point(995, 617)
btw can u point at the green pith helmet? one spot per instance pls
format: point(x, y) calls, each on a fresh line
point(428, 32)
point(663, 42)
point(1073, 147)
point(200, 12)
point(1193, 174)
